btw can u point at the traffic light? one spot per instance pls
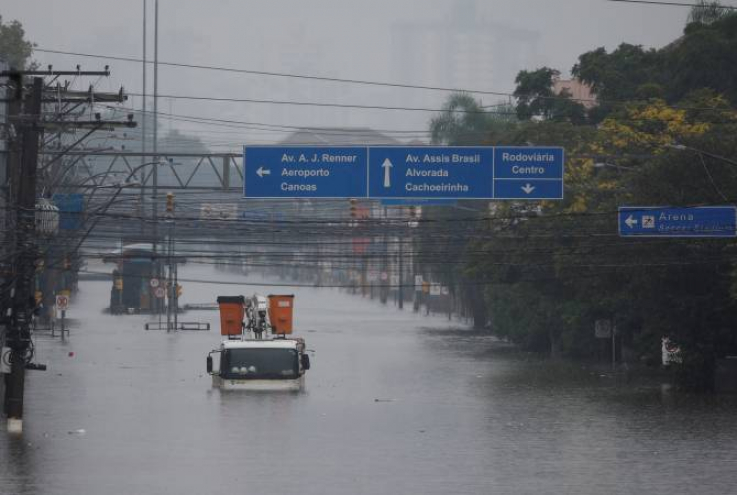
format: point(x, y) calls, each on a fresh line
point(354, 208)
point(412, 212)
point(179, 291)
point(170, 202)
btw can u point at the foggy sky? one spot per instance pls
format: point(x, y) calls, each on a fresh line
point(337, 38)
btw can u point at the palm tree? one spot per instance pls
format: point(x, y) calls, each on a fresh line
point(462, 121)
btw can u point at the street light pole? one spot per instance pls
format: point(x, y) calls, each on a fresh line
point(683, 147)
point(155, 202)
point(611, 165)
point(143, 126)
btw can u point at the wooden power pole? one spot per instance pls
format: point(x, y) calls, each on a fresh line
point(22, 292)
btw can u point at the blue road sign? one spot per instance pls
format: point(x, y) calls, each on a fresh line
point(528, 173)
point(704, 221)
point(430, 173)
point(70, 207)
point(304, 172)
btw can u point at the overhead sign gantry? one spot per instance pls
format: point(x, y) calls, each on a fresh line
point(401, 172)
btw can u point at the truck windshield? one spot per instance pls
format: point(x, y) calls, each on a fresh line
point(259, 364)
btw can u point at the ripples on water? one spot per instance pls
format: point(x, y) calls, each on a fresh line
point(395, 404)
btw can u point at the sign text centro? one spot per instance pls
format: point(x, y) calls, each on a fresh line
point(308, 172)
point(528, 173)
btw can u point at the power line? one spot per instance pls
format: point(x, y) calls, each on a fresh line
point(675, 4)
point(280, 74)
point(504, 94)
point(358, 133)
point(314, 104)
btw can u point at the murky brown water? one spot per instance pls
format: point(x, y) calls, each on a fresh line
point(454, 415)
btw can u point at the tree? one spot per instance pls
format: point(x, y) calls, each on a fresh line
point(706, 12)
point(704, 57)
point(628, 73)
point(14, 48)
point(463, 120)
point(535, 98)
point(679, 288)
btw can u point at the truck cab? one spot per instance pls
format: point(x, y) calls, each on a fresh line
point(258, 354)
point(259, 364)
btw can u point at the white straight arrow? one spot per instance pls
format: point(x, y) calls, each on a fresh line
point(387, 166)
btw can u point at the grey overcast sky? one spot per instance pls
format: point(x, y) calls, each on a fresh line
point(473, 44)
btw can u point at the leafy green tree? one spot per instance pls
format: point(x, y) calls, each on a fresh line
point(535, 98)
point(550, 270)
point(628, 73)
point(675, 288)
point(14, 48)
point(705, 57)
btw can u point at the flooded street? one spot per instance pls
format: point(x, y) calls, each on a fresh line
point(394, 403)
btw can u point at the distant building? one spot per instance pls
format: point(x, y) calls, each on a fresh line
point(577, 90)
point(298, 53)
point(339, 136)
point(464, 49)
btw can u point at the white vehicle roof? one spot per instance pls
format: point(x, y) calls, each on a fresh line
point(260, 344)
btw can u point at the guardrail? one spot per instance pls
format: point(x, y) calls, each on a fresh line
point(182, 325)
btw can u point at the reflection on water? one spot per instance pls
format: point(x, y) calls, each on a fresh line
point(394, 403)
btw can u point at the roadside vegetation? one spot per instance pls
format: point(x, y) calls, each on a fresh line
point(662, 133)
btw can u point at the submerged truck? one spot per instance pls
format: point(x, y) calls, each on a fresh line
point(258, 354)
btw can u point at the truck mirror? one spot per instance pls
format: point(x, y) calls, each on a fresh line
point(305, 362)
point(209, 364)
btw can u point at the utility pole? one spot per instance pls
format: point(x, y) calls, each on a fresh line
point(18, 301)
point(144, 116)
point(22, 293)
point(155, 199)
point(400, 289)
point(170, 284)
point(385, 278)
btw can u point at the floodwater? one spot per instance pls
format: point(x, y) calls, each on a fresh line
point(395, 404)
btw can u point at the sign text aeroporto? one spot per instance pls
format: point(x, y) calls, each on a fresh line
point(402, 172)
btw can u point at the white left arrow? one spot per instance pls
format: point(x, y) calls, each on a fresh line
point(263, 171)
point(630, 221)
point(387, 166)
